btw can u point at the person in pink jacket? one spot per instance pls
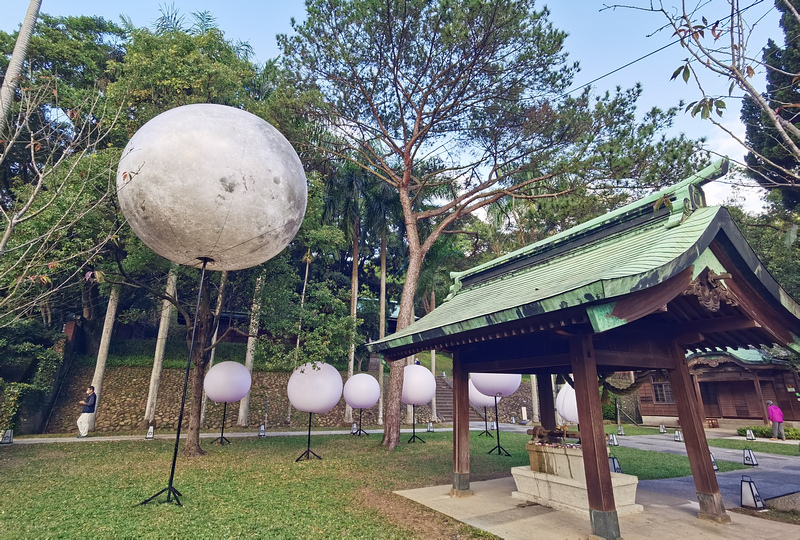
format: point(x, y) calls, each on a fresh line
point(775, 415)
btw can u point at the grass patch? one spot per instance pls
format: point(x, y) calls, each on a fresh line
point(253, 487)
point(649, 465)
point(756, 446)
point(444, 362)
point(630, 429)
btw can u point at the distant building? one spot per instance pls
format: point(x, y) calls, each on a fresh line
point(733, 385)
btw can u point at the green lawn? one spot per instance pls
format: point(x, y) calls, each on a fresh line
point(253, 487)
point(654, 465)
point(756, 446)
point(631, 430)
point(444, 362)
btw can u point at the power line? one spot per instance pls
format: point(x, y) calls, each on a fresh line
point(575, 89)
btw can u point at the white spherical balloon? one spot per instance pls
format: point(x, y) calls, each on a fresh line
point(567, 404)
point(478, 399)
point(419, 385)
point(315, 388)
point(496, 384)
point(227, 382)
point(362, 391)
point(212, 181)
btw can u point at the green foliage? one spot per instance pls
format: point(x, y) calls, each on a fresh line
point(767, 234)
point(28, 357)
point(765, 432)
point(609, 411)
point(770, 157)
point(167, 69)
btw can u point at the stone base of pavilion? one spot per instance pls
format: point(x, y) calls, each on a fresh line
point(556, 479)
point(568, 495)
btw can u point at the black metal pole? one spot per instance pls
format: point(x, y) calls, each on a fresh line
point(222, 438)
point(360, 417)
point(308, 446)
point(500, 450)
point(308, 453)
point(171, 491)
point(224, 414)
point(485, 425)
point(414, 426)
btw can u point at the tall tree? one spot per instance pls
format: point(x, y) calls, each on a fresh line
point(719, 42)
point(434, 95)
point(769, 156)
point(14, 69)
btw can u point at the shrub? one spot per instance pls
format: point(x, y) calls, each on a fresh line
point(609, 412)
point(765, 432)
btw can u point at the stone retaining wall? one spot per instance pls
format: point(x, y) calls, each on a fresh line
point(124, 399)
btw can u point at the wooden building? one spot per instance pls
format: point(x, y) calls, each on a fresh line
point(635, 289)
point(733, 385)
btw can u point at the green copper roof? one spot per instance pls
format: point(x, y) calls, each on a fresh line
point(591, 265)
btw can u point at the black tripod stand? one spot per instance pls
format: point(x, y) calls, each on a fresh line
point(360, 431)
point(309, 452)
point(414, 426)
point(486, 425)
point(170, 489)
point(222, 439)
point(500, 450)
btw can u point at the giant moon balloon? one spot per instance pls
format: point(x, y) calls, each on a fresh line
point(227, 382)
point(315, 388)
point(419, 385)
point(361, 391)
point(567, 404)
point(215, 182)
point(478, 399)
point(496, 384)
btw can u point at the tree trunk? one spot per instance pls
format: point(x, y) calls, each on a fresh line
point(391, 429)
point(382, 323)
point(199, 360)
point(158, 359)
point(11, 80)
point(307, 260)
point(434, 418)
point(223, 283)
point(244, 405)
point(102, 355)
point(351, 354)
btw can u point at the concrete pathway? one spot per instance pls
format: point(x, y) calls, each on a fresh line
point(492, 509)
point(775, 475)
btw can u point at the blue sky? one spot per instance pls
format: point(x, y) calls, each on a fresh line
point(600, 40)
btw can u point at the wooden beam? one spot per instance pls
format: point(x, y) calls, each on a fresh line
point(763, 406)
point(699, 396)
point(602, 510)
point(547, 405)
point(460, 429)
point(523, 364)
point(705, 480)
point(630, 361)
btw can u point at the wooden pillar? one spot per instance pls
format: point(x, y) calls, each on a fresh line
point(602, 509)
point(762, 404)
point(547, 407)
point(699, 396)
point(460, 429)
point(705, 480)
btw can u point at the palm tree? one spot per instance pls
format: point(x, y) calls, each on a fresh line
point(382, 209)
point(11, 80)
point(344, 196)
